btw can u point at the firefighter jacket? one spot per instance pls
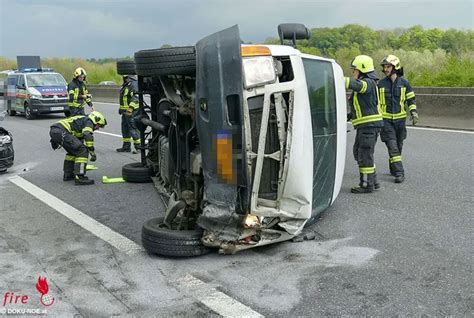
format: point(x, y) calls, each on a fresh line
point(128, 96)
point(81, 127)
point(365, 108)
point(395, 97)
point(75, 91)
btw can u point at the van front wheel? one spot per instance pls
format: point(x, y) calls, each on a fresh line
point(28, 114)
point(157, 238)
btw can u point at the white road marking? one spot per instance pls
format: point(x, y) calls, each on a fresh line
point(107, 133)
point(214, 299)
point(106, 103)
point(98, 229)
point(442, 130)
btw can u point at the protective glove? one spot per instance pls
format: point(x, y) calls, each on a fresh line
point(54, 144)
point(414, 118)
point(93, 156)
point(89, 100)
point(129, 111)
point(349, 116)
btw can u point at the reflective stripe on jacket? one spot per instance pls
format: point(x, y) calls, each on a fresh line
point(395, 97)
point(75, 90)
point(81, 127)
point(129, 95)
point(365, 107)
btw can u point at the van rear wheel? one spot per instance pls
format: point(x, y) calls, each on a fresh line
point(126, 67)
point(167, 61)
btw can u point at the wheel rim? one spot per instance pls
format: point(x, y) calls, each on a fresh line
point(27, 112)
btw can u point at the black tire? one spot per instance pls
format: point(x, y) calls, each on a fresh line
point(157, 239)
point(67, 113)
point(11, 112)
point(168, 61)
point(136, 173)
point(28, 114)
point(126, 67)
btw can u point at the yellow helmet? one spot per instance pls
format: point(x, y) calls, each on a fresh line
point(97, 118)
point(391, 60)
point(79, 71)
point(363, 63)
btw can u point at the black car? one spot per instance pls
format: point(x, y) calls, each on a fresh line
point(6, 150)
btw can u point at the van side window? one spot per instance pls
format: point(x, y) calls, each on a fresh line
point(12, 80)
point(21, 81)
point(322, 96)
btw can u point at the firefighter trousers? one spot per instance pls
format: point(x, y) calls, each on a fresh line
point(364, 147)
point(75, 111)
point(393, 134)
point(130, 130)
point(75, 161)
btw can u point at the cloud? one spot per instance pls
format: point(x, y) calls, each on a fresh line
point(106, 28)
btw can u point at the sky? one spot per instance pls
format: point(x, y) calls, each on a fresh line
point(118, 28)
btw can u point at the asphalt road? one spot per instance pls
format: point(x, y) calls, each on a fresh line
point(404, 250)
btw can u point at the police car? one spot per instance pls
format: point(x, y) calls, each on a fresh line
point(35, 91)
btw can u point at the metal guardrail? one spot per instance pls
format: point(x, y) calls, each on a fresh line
point(441, 107)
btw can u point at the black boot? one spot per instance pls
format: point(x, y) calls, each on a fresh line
point(399, 178)
point(376, 182)
point(126, 147)
point(366, 184)
point(83, 180)
point(360, 189)
point(68, 177)
point(68, 169)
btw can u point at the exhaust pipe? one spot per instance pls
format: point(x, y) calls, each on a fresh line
point(153, 124)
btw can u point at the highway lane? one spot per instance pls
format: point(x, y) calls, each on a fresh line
point(406, 249)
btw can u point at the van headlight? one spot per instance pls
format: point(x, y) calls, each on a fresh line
point(35, 96)
point(5, 140)
point(258, 71)
point(34, 93)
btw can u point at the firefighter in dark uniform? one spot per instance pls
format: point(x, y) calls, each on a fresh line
point(366, 118)
point(78, 94)
point(129, 109)
point(75, 135)
point(396, 94)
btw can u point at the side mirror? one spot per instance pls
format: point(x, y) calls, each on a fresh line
point(293, 32)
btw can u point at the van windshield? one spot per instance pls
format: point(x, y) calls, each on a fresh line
point(45, 80)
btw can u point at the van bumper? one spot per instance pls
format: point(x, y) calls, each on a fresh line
point(48, 106)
